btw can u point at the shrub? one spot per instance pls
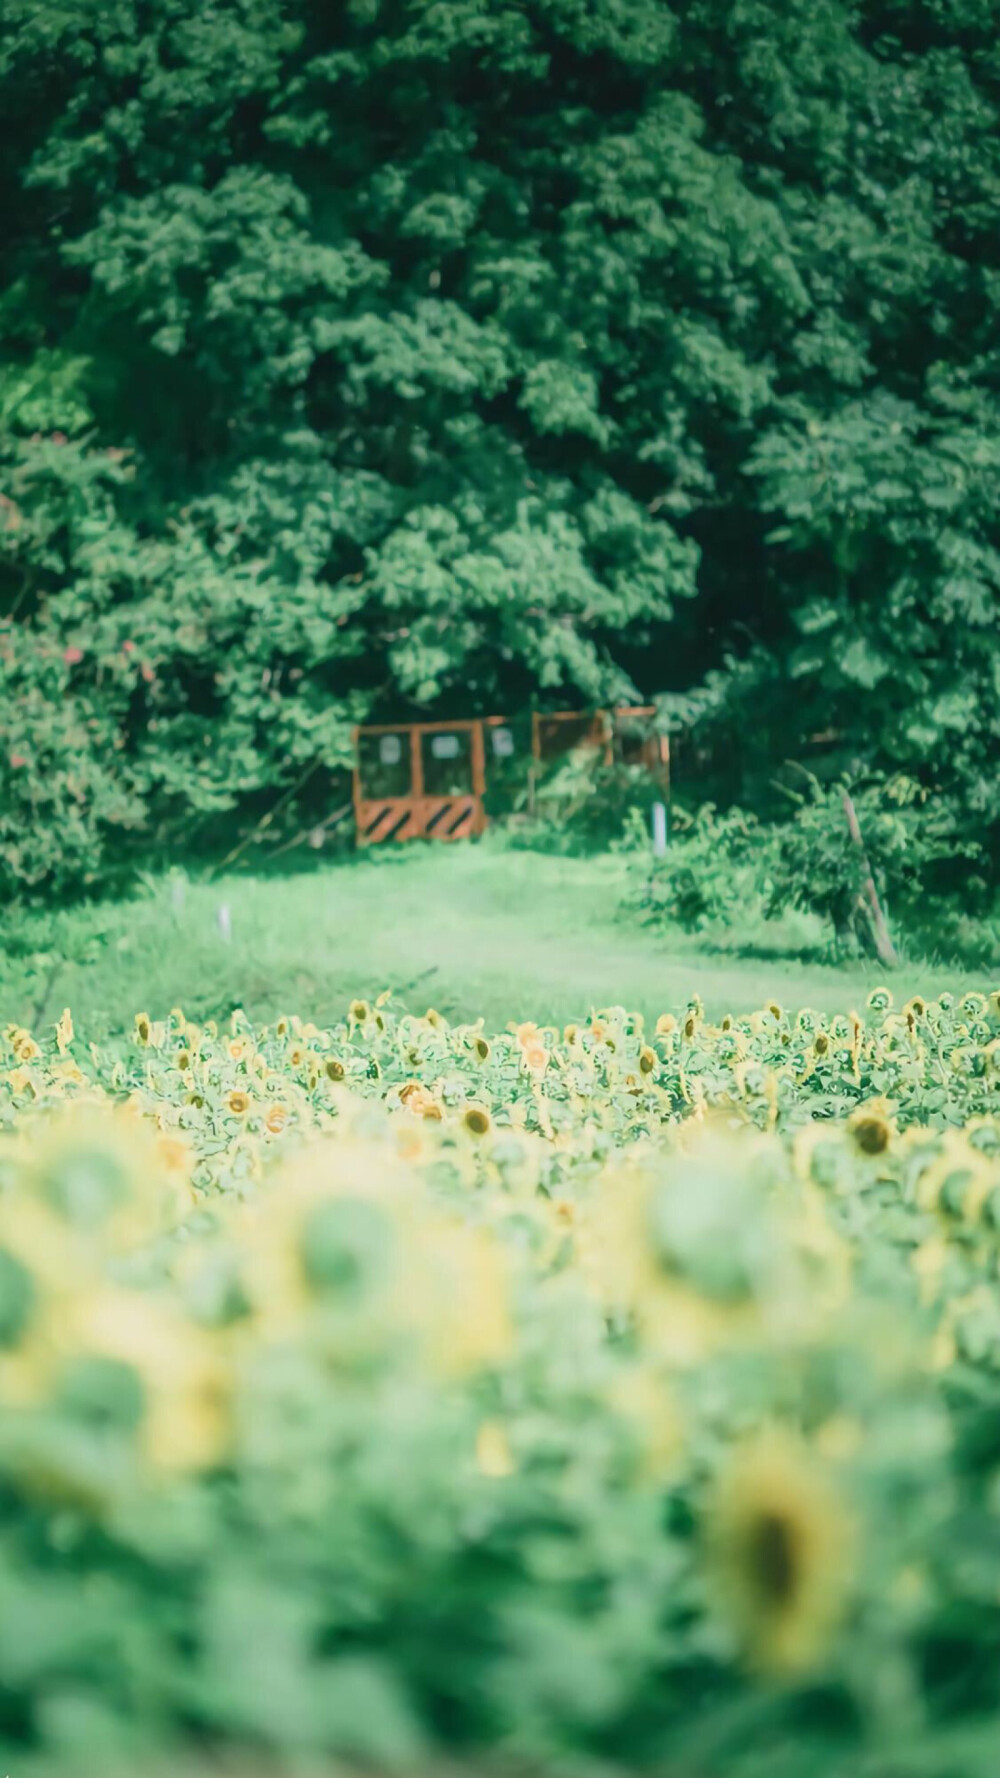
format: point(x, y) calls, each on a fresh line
point(711, 873)
point(582, 804)
point(814, 863)
point(728, 869)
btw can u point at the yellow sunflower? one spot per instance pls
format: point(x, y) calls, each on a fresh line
point(185, 1380)
point(104, 1172)
point(871, 1130)
point(419, 1100)
point(476, 1119)
point(780, 1552)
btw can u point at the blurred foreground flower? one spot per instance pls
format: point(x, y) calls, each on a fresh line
point(781, 1547)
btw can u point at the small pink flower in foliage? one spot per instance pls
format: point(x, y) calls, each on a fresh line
point(148, 673)
point(127, 647)
point(18, 759)
point(72, 655)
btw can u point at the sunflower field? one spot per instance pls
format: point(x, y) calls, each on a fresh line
point(579, 1399)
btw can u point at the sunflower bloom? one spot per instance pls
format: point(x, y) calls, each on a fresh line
point(871, 1130)
point(476, 1119)
point(780, 1546)
point(419, 1100)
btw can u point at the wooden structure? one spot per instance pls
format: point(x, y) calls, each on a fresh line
point(427, 780)
point(421, 780)
point(623, 734)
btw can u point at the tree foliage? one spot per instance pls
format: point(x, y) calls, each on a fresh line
point(439, 353)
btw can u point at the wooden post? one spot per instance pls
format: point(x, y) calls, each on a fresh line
point(665, 767)
point(883, 943)
point(477, 749)
point(604, 734)
point(417, 802)
point(356, 785)
point(478, 752)
point(536, 755)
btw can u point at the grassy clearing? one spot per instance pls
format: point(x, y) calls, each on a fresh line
point(476, 930)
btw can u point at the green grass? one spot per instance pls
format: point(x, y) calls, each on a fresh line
point(475, 930)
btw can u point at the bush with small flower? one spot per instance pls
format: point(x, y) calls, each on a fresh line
point(400, 1390)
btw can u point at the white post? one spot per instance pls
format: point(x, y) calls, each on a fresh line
point(659, 830)
point(225, 923)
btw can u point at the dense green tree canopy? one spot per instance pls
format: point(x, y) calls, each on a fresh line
point(403, 354)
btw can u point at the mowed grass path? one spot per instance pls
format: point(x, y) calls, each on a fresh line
point(475, 930)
